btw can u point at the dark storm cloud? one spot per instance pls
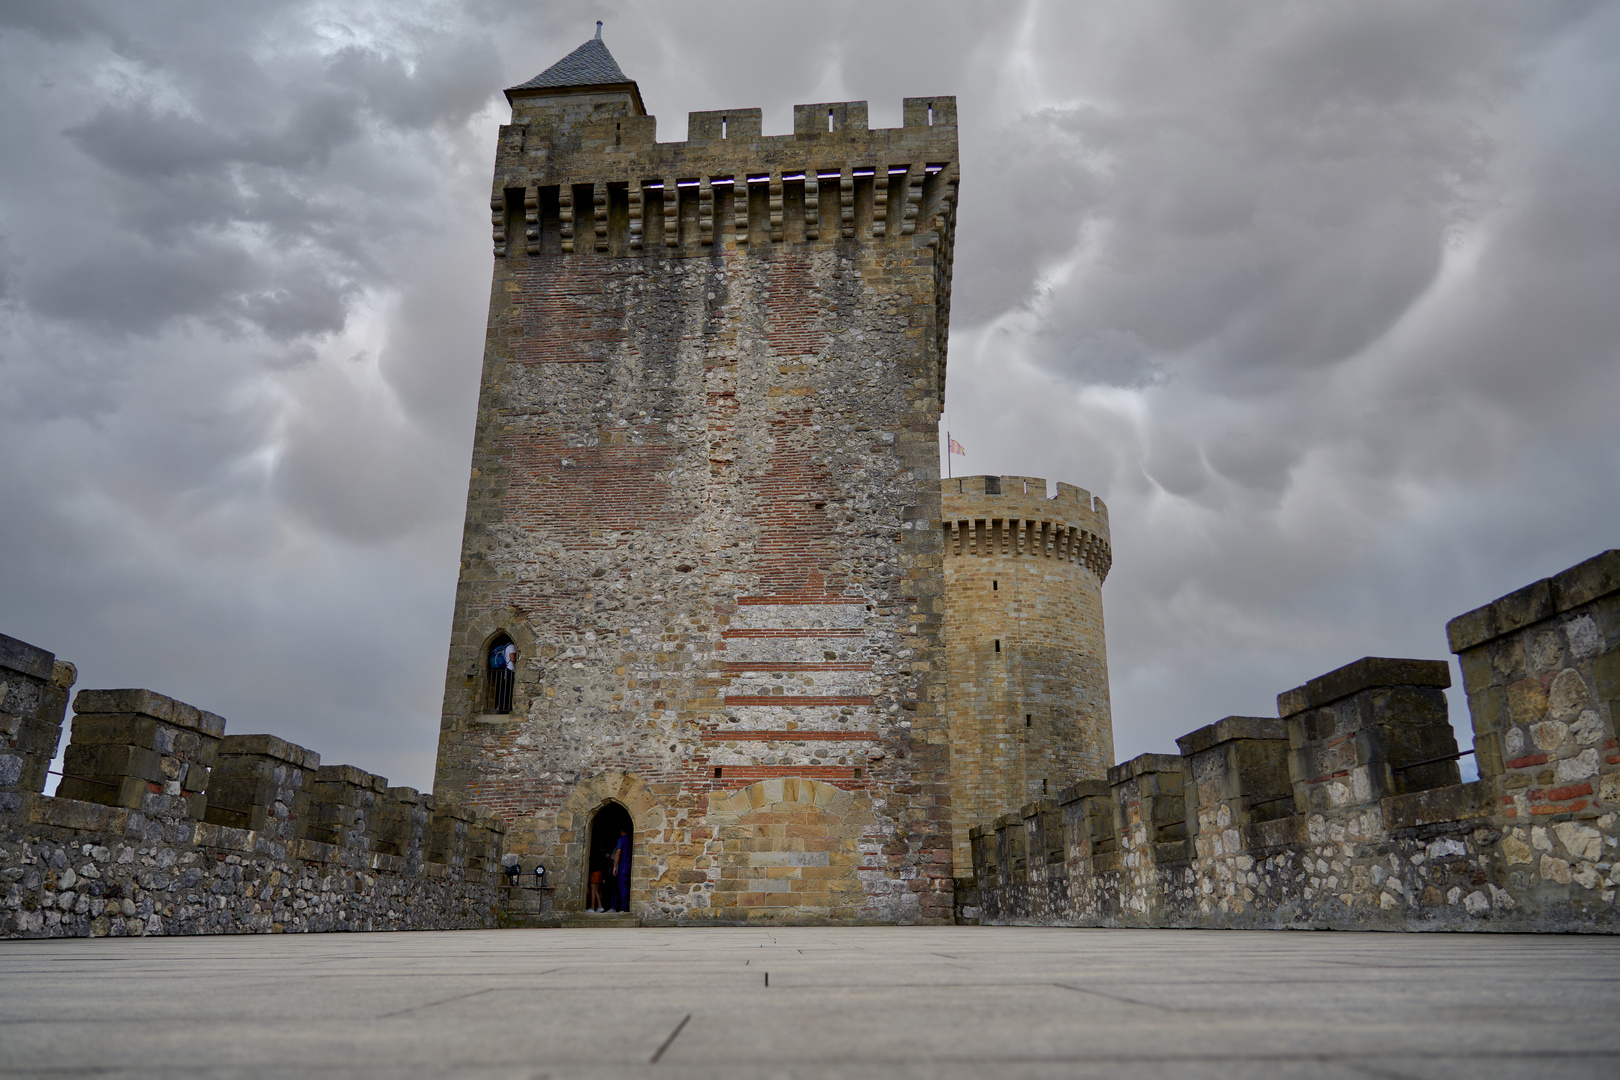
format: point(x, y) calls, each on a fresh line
point(1318, 297)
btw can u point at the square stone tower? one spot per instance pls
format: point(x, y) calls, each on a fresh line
point(704, 506)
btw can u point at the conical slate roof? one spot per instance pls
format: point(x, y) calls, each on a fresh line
point(589, 65)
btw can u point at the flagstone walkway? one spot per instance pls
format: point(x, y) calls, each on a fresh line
point(810, 1002)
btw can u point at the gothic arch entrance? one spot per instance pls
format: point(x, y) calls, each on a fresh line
point(609, 822)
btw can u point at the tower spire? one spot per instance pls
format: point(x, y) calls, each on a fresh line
point(590, 67)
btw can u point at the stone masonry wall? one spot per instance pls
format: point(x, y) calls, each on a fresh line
point(703, 486)
point(1027, 690)
point(166, 825)
point(1346, 811)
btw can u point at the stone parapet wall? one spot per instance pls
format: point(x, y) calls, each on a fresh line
point(166, 825)
point(1346, 811)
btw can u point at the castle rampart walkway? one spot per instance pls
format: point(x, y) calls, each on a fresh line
point(880, 1001)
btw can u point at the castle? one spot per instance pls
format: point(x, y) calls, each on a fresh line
point(714, 594)
point(702, 516)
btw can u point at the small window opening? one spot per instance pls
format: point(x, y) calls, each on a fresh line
point(1043, 785)
point(930, 116)
point(616, 128)
point(994, 587)
point(1028, 719)
point(501, 674)
point(829, 119)
point(998, 644)
point(717, 772)
point(550, 220)
point(722, 127)
point(516, 220)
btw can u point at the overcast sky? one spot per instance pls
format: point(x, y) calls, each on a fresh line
point(1323, 299)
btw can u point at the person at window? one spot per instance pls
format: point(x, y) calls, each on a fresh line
point(502, 673)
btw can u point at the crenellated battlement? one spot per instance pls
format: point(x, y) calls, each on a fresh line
point(583, 171)
point(1347, 809)
point(265, 838)
point(1012, 515)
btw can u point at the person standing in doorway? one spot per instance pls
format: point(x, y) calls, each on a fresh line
point(593, 895)
point(621, 870)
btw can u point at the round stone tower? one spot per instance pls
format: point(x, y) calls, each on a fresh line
point(1027, 697)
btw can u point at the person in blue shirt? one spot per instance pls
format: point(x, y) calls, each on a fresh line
point(621, 869)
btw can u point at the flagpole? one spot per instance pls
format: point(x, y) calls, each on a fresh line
point(948, 474)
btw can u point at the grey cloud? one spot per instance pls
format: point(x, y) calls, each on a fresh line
point(54, 20)
point(136, 288)
point(1319, 298)
point(1254, 460)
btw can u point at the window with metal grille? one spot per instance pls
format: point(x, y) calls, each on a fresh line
point(500, 673)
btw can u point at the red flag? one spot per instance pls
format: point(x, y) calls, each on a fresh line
point(955, 447)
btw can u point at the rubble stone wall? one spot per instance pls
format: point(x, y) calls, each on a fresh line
point(166, 825)
point(1346, 811)
point(702, 507)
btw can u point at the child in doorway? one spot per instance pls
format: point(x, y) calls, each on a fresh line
point(593, 898)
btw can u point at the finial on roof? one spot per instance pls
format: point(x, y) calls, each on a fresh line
point(598, 29)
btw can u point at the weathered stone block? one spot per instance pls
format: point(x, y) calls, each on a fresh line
point(1239, 774)
point(269, 746)
point(25, 659)
point(1356, 736)
point(1459, 802)
point(114, 760)
point(1367, 673)
point(150, 704)
point(1585, 582)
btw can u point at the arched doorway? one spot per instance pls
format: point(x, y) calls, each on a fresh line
point(609, 823)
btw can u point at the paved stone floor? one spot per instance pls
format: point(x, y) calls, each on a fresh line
point(890, 1002)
